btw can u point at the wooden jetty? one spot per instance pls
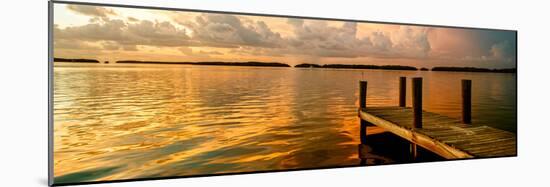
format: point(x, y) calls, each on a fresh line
point(448, 137)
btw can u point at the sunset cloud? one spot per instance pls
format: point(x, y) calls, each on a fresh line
point(167, 35)
point(321, 39)
point(110, 30)
point(94, 11)
point(230, 31)
point(71, 44)
point(156, 34)
point(145, 32)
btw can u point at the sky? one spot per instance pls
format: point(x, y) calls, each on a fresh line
point(114, 33)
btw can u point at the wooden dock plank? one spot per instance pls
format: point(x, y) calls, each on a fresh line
point(443, 135)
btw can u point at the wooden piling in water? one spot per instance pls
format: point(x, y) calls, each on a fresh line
point(467, 101)
point(417, 110)
point(363, 94)
point(414, 152)
point(402, 91)
point(362, 105)
point(417, 101)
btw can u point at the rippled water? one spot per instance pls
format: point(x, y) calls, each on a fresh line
point(120, 122)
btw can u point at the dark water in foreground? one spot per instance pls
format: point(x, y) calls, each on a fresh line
point(114, 122)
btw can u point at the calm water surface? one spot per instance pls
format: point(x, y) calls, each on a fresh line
point(120, 122)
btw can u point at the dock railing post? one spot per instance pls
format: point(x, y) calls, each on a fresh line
point(402, 91)
point(362, 105)
point(363, 124)
point(363, 94)
point(467, 101)
point(417, 110)
point(417, 101)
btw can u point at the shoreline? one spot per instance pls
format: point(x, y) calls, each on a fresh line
point(213, 63)
point(298, 66)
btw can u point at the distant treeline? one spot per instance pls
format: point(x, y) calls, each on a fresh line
point(307, 66)
point(79, 60)
point(473, 69)
point(304, 65)
point(250, 63)
point(357, 66)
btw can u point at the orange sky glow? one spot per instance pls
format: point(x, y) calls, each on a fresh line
point(114, 33)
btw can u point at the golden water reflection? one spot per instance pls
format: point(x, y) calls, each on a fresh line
point(141, 121)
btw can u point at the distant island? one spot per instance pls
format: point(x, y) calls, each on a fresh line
point(399, 67)
point(77, 60)
point(250, 63)
point(356, 66)
point(473, 69)
point(306, 65)
point(303, 65)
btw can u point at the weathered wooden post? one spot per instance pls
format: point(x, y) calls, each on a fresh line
point(363, 126)
point(417, 110)
point(402, 91)
point(363, 94)
point(467, 101)
point(417, 101)
point(362, 105)
point(414, 152)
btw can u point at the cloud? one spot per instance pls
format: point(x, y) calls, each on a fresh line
point(210, 52)
point(132, 19)
point(378, 42)
point(68, 44)
point(250, 37)
point(314, 37)
point(110, 46)
point(129, 47)
point(95, 11)
point(295, 22)
point(111, 30)
point(502, 50)
point(412, 41)
point(218, 30)
point(156, 34)
point(126, 35)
